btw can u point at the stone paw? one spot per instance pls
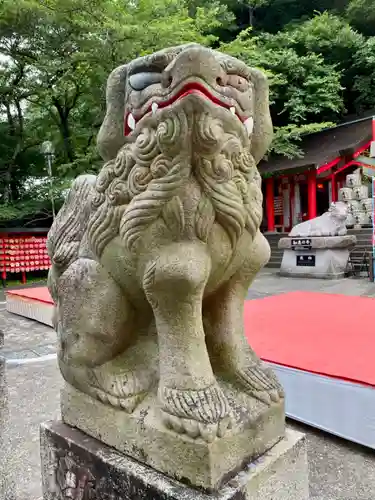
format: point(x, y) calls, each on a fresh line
point(260, 381)
point(121, 389)
point(202, 413)
point(110, 384)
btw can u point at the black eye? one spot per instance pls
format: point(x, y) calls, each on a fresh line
point(140, 81)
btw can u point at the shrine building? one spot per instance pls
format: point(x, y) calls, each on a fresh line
point(300, 189)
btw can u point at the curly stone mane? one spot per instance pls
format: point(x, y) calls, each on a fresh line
point(144, 180)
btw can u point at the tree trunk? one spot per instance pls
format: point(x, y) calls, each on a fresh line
point(251, 15)
point(67, 139)
point(7, 190)
point(64, 127)
point(16, 129)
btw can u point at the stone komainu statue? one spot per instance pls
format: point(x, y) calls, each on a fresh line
point(152, 259)
point(331, 223)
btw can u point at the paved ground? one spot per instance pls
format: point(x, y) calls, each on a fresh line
point(29, 395)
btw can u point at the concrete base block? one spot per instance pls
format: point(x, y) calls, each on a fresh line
point(77, 466)
point(328, 264)
point(316, 256)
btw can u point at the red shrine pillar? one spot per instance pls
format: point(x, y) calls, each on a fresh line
point(270, 204)
point(334, 191)
point(311, 194)
point(291, 201)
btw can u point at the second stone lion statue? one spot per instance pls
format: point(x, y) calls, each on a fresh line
point(152, 259)
point(331, 223)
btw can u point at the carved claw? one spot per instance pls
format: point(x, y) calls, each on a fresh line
point(261, 382)
point(207, 431)
point(276, 395)
point(262, 396)
point(202, 413)
point(128, 403)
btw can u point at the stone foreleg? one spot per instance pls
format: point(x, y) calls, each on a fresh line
point(231, 353)
point(190, 397)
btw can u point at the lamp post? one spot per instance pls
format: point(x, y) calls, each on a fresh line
point(48, 152)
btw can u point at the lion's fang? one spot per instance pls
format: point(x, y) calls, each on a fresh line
point(249, 125)
point(232, 110)
point(154, 107)
point(131, 121)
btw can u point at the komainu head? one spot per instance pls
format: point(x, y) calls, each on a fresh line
point(181, 113)
point(339, 210)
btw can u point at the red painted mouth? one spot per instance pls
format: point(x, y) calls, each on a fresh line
point(188, 89)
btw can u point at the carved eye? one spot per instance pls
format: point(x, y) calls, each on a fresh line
point(238, 82)
point(139, 81)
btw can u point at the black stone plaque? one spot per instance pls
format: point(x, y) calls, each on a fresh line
point(305, 260)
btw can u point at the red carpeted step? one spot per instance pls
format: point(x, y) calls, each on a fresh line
point(40, 294)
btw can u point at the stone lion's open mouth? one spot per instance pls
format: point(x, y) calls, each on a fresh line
point(190, 88)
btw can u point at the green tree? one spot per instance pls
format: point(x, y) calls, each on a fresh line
point(346, 50)
point(55, 58)
point(361, 14)
point(305, 92)
point(272, 16)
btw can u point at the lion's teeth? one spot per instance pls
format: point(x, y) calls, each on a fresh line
point(232, 110)
point(154, 107)
point(249, 125)
point(131, 121)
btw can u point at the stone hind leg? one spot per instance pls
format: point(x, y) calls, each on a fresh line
point(191, 400)
point(231, 353)
point(100, 353)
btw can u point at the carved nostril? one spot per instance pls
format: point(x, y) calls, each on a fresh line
point(220, 81)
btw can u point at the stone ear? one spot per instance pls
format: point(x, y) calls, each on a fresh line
point(263, 130)
point(111, 134)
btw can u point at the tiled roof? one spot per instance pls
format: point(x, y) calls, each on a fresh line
point(323, 147)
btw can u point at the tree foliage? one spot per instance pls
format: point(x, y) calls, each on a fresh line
point(305, 91)
point(55, 56)
point(361, 14)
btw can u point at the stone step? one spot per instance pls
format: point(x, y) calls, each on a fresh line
point(274, 265)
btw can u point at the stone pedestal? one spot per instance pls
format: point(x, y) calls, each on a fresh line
point(76, 466)
point(142, 435)
point(316, 257)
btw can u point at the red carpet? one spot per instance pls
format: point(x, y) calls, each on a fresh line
point(326, 334)
point(321, 333)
